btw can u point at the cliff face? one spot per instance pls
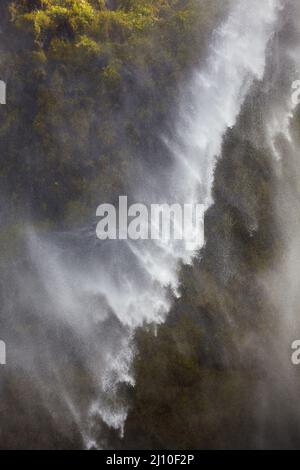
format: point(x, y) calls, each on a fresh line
point(92, 87)
point(197, 378)
point(218, 373)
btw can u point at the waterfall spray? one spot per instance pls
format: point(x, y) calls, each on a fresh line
point(95, 294)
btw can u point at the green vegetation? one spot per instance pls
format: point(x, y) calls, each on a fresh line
point(89, 84)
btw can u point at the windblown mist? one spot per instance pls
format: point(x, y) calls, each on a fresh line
point(142, 344)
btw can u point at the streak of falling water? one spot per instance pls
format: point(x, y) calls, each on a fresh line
point(98, 295)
